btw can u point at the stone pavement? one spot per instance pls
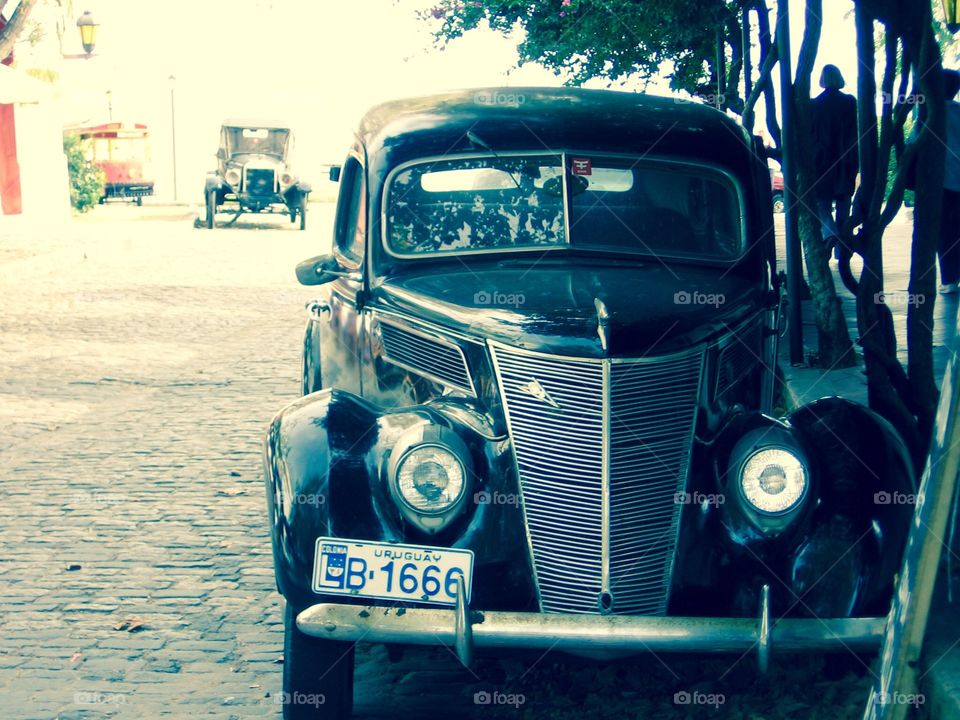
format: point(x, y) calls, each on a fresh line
point(139, 364)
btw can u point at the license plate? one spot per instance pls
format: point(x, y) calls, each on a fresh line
point(391, 572)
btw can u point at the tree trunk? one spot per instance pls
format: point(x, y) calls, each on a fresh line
point(906, 398)
point(12, 30)
point(835, 348)
point(926, 226)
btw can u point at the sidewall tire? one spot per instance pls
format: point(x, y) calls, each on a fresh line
point(211, 208)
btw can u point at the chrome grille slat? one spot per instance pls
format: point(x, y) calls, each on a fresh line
point(567, 460)
point(434, 359)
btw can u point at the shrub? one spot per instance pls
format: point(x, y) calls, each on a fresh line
point(86, 179)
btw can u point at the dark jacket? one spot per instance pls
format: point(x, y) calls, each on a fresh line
point(834, 120)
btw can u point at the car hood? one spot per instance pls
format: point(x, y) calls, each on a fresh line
point(583, 310)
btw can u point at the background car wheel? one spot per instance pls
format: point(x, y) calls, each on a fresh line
point(302, 212)
point(211, 208)
point(317, 675)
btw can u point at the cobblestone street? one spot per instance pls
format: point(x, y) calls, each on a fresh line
point(140, 361)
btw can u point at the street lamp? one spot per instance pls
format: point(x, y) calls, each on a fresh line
point(88, 31)
point(951, 11)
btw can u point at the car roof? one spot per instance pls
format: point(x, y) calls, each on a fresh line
point(246, 123)
point(515, 118)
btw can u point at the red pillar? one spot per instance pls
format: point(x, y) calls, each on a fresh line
point(10, 200)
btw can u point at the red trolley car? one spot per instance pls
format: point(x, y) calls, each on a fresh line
point(122, 150)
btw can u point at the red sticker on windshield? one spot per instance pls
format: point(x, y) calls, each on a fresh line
point(582, 166)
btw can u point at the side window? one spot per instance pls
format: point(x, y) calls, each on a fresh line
point(352, 213)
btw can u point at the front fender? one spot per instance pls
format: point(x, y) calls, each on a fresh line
point(325, 459)
point(867, 494)
point(212, 182)
point(318, 451)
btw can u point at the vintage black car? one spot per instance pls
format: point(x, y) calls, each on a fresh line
point(254, 174)
point(537, 384)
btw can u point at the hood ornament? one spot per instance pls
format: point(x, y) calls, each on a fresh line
point(535, 390)
point(603, 320)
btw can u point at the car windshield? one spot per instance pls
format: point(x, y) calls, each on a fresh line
point(616, 204)
point(256, 141)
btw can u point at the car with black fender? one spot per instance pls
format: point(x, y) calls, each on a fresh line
point(254, 173)
point(538, 404)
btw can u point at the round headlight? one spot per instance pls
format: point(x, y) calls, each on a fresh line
point(232, 176)
point(286, 179)
point(430, 478)
point(773, 480)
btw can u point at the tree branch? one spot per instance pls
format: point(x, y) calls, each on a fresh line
point(768, 48)
point(12, 30)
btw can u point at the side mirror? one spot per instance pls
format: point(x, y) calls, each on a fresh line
point(335, 173)
point(322, 269)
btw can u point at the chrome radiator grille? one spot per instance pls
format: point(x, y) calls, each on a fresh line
point(259, 181)
point(602, 449)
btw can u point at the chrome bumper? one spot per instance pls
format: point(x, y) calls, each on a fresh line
point(463, 630)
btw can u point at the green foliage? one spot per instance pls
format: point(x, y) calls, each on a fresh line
point(86, 179)
point(612, 39)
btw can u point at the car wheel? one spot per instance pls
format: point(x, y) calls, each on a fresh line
point(317, 674)
point(293, 213)
point(211, 208)
point(778, 206)
point(302, 211)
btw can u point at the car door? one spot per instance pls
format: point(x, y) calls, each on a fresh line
point(334, 336)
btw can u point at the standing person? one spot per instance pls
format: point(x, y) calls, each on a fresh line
point(836, 160)
point(949, 249)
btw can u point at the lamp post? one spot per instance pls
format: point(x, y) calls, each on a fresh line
point(88, 32)
point(951, 11)
point(173, 133)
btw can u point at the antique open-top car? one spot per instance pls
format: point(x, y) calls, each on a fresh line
point(254, 173)
point(537, 378)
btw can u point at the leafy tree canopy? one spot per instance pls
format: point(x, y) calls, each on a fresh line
point(612, 39)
